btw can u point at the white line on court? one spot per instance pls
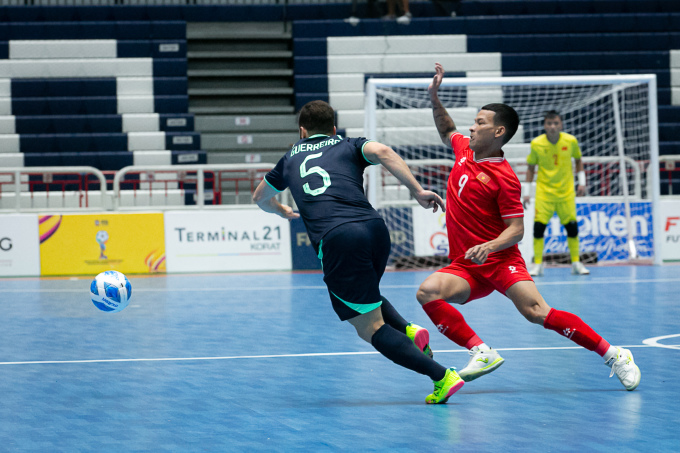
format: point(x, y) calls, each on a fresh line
point(655, 342)
point(316, 354)
point(323, 287)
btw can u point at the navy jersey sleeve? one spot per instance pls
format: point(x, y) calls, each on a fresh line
point(275, 177)
point(359, 144)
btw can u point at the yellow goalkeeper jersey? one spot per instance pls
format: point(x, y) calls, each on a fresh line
point(555, 179)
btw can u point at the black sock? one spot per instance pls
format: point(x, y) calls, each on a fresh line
point(392, 316)
point(399, 348)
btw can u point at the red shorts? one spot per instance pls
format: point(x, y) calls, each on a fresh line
point(496, 274)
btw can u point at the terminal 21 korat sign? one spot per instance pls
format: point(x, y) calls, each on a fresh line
point(226, 240)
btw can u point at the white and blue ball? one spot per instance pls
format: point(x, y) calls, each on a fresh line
point(110, 291)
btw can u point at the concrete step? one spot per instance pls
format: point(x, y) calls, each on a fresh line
point(248, 141)
point(237, 30)
point(241, 109)
point(237, 101)
point(241, 55)
point(213, 83)
point(263, 65)
point(267, 91)
point(282, 72)
point(245, 123)
point(239, 45)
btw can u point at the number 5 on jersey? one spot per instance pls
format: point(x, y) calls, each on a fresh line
point(319, 171)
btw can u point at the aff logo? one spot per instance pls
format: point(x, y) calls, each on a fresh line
point(513, 269)
point(462, 161)
point(568, 332)
point(442, 328)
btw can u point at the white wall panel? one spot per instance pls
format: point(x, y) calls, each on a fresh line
point(5, 88)
point(146, 141)
point(377, 45)
point(67, 48)
point(152, 158)
point(345, 82)
point(128, 86)
point(9, 143)
point(135, 104)
point(141, 122)
point(7, 124)
point(11, 160)
point(413, 63)
point(93, 67)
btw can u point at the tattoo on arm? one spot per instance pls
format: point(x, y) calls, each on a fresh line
point(442, 120)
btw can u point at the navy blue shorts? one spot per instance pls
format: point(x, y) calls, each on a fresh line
point(353, 256)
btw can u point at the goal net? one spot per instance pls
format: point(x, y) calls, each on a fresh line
point(613, 118)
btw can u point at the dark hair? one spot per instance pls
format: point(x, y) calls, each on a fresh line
point(504, 116)
point(317, 117)
point(550, 114)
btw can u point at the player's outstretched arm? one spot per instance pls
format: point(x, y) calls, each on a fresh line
point(383, 154)
point(512, 234)
point(264, 196)
point(445, 125)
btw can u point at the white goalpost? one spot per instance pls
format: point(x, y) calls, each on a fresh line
point(613, 117)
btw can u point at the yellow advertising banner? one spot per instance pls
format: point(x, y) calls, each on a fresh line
point(87, 244)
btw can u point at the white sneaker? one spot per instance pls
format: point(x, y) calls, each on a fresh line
point(405, 19)
point(624, 367)
point(578, 268)
point(537, 270)
point(481, 362)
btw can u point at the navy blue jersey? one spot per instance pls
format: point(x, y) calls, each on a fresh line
point(326, 177)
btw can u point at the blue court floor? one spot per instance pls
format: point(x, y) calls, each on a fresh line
point(259, 362)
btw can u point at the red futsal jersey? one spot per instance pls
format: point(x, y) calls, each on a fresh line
point(480, 194)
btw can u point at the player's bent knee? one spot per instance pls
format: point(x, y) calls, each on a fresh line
point(427, 293)
point(534, 313)
point(572, 229)
point(539, 229)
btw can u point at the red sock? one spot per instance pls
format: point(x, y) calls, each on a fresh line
point(572, 327)
point(451, 323)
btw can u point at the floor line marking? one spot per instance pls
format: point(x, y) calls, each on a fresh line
point(655, 341)
point(276, 356)
point(323, 287)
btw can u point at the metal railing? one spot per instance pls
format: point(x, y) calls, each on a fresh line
point(187, 175)
point(670, 165)
point(13, 179)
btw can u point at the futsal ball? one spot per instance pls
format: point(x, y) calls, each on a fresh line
point(110, 291)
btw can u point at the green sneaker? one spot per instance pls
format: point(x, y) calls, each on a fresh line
point(445, 388)
point(420, 337)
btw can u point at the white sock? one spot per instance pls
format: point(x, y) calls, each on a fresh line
point(611, 352)
point(481, 347)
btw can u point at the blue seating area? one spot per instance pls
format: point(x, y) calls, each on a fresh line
point(106, 93)
point(92, 124)
point(55, 109)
